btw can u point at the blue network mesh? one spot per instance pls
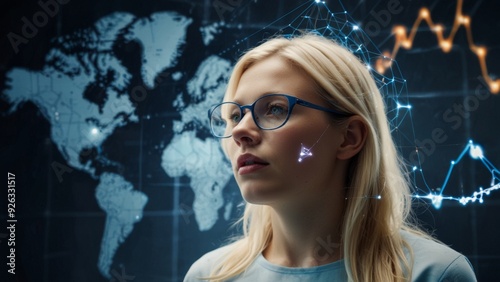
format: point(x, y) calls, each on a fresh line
point(316, 17)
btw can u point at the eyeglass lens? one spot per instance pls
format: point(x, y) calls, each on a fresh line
point(269, 112)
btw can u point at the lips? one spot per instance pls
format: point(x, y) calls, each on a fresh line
point(248, 163)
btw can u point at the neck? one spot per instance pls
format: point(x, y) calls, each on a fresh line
point(306, 236)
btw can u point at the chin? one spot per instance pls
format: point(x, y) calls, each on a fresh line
point(258, 197)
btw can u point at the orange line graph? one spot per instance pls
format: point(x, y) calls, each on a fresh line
point(402, 39)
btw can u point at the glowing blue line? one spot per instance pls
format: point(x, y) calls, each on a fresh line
point(437, 199)
point(453, 165)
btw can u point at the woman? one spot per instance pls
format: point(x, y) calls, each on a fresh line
point(312, 153)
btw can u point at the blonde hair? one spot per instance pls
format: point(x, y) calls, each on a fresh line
point(378, 194)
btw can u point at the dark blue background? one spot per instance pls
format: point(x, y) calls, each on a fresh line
point(61, 224)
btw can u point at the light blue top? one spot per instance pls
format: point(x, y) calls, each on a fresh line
point(432, 262)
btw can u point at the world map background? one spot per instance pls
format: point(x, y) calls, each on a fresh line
point(104, 125)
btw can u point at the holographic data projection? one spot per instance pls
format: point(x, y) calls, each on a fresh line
point(316, 17)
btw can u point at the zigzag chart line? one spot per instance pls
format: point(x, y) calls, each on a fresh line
point(405, 40)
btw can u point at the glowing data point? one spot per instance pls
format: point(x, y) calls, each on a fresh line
point(436, 200)
point(403, 106)
point(495, 87)
point(463, 201)
point(304, 153)
point(94, 131)
point(476, 152)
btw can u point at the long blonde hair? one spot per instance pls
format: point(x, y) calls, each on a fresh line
point(378, 194)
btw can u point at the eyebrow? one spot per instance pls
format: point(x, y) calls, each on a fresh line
point(237, 101)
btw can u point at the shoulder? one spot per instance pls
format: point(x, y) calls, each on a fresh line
point(205, 264)
point(433, 261)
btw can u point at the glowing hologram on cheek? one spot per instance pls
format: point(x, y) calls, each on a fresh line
point(306, 152)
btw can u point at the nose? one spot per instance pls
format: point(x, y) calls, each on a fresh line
point(246, 132)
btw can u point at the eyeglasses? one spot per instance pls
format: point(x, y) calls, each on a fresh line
point(269, 112)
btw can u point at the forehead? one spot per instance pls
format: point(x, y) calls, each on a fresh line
point(274, 74)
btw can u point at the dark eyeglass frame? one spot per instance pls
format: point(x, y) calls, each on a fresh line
point(292, 101)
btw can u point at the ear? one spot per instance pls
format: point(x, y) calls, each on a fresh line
point(355, 134)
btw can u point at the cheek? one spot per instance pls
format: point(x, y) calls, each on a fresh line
point(291, 141)
point(317, 149)
point(229, 147)
point(288, 147)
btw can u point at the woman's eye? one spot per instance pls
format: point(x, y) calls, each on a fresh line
point(235, 118)
point(276, 110)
